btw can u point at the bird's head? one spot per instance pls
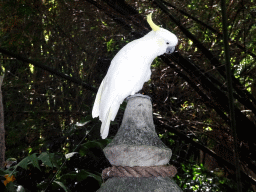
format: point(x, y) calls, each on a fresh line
point(165, 38)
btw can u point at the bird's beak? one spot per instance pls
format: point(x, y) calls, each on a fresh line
point(170, 50)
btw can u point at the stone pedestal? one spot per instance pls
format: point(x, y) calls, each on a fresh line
point(137, 144)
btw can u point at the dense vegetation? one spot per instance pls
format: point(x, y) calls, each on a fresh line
point(54, 54)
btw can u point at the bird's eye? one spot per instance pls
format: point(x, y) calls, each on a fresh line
point(167, 43)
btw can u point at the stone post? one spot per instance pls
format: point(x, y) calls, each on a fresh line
point(137, 154)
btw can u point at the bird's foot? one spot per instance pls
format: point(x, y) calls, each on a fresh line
point(137, 95)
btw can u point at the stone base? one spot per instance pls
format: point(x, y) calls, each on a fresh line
point(137, 144)
point(152, 184)
point(137, 155)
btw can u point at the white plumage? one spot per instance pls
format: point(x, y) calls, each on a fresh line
point(128, 71)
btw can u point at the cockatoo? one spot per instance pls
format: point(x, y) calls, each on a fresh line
point(129, 70)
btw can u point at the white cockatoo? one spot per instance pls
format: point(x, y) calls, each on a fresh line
point(129, 70)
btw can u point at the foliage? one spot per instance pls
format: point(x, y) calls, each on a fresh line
point(193, 177)
point(197, 178)
point(54, 172)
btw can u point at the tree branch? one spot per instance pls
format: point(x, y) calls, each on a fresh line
point(46, 68)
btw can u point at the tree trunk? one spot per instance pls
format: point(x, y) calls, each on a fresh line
point(2, 131)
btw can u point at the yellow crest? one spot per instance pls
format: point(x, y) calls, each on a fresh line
point(151, 23)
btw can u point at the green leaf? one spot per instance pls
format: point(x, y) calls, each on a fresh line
point(71, 176)
point(80, 176)
point(93, 144)
point(62, 185)
point(97, 177)
point(33, 158)
point(10, 186)
point(23, 163)
point(45, 158)
point(84, 174)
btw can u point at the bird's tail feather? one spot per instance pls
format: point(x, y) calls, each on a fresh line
point(105, 125)
point(111, 114)
point(96, 106)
